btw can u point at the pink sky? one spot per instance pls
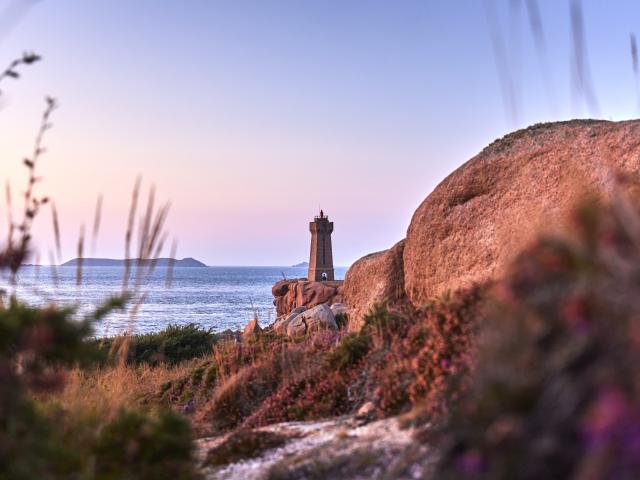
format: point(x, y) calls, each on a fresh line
point(250, 115)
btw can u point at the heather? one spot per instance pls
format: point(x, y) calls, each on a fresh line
point(555, 388)
point(399, 360)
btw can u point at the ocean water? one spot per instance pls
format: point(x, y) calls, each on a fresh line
point(213, 297)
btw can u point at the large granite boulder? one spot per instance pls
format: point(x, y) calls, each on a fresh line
point(290, 294)
point(375, 278)
point(315, 319)
point(473, 224)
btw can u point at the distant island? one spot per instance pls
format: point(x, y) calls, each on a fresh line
point(110, 262)
point(301, 264)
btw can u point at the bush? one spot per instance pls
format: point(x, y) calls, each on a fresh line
point(173, 345)
point(137, 446)
point(342, 320)
point(351, 349)
point(39, 441)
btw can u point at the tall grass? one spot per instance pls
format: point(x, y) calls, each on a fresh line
point(51, 425)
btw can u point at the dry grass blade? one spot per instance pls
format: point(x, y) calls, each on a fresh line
point(151, 240)
point(80, 257)
point(96, 224)
point(129, 234)
point(156, 253)
point(582, 81)
point(634, 63)
point(145, 225)
point(156, 230)
point(11, 71)
point(13, 12)
point(9, 214)
point(537, 30)
point(56, 231)
point(172, 260)
point(37, 268)
point(502, 62)
point(14, 255)
point(54, 269)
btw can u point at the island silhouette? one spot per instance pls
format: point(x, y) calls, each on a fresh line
point(111, 262)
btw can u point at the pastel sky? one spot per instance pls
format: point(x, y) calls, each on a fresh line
point(249, 115)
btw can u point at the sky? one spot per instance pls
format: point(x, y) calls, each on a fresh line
point(250, 115)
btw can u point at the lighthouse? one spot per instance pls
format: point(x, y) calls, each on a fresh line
point(321, 257)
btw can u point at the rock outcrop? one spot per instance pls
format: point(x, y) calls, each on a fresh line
point(376, 278)
point(290, 294)
point(367, 450)
point(470, 227)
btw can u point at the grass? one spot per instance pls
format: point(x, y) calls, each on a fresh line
point(399, 360)
point(350, 350)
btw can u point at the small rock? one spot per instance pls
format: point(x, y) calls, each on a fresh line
point(367, 410)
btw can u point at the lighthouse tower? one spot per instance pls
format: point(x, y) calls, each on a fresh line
point(321, 258)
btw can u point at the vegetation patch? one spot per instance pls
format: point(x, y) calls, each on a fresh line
point(174, 344)
point(351, 349)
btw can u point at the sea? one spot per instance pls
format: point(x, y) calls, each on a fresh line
point(216, 298)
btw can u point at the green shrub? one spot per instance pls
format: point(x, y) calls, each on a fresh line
point(351, 349)
point(37, 442)
point(342, 320)
point(173, 345)
point(196, 376)
point(211, 376)
point(383, 325)
point(138, 446)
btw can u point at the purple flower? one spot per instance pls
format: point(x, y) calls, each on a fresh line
point(471, 462)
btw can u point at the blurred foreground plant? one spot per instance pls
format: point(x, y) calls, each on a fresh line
point(555, 391)
point(45, 441)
